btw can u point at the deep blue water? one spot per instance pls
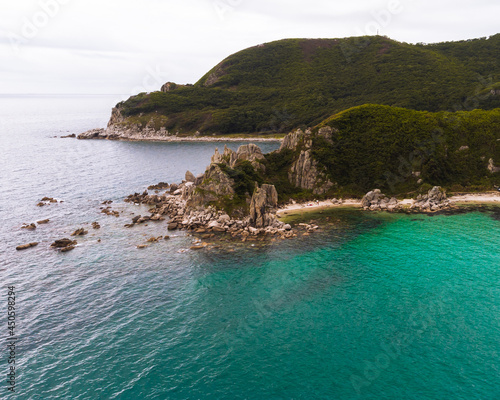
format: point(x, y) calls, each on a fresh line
point(375, 306)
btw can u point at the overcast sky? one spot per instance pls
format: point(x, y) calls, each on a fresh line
point(129, 46)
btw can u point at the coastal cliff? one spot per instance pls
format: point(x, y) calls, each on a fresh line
point(121, 128)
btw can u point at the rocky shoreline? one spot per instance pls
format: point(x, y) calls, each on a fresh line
point(119, 128)
point(228, 200)
point(157, 136)
point(435, 200)
point(175, 204)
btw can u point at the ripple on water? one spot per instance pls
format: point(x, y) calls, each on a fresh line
point(296, 319)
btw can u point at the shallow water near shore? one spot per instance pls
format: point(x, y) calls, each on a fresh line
point(373, 306)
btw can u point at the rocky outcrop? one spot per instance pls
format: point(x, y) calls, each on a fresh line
point(208, 220)
point(434, 200)
point(248, 152)
point(304, 174)
point(326, 133)
point(159, 186)
point(215, 186)
point(292, 140)
point(116, 117)
point(168, 87)
point(93, 134)
point(190, 177)
point(375, 200)
point(119, 128)
point(228, 156)
point(214, 77)
point(64, 245)
point(197, 206)
point(491, 166)
point(263, 206)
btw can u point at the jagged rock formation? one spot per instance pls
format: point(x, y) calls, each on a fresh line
point(198, 206)
point(292, 140)
point(116, 117)
point(304, 171)
point(93, 134)
point(248, 152)
point(215, 186)
point(228, 156)
point(263, 206)
point(304, 174)
point(375, 200)
point(190, 177)
point(434, 200)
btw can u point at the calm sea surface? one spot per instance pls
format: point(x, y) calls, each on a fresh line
point(375, 306)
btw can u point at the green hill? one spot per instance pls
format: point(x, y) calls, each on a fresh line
point(278, 86)
point(399, 150)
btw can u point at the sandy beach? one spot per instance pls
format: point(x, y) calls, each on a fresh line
point(465, 198)
point(477, 198)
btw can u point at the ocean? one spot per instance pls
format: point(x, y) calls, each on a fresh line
point(373, 306)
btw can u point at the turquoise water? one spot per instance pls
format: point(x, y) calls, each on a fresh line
point(374, 306)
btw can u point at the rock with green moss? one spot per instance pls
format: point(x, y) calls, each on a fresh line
point(215, 187)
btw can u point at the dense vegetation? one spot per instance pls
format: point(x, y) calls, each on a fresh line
point(282, 85)
point(401, 150)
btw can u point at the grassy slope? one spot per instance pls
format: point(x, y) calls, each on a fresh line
point(382, 146)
